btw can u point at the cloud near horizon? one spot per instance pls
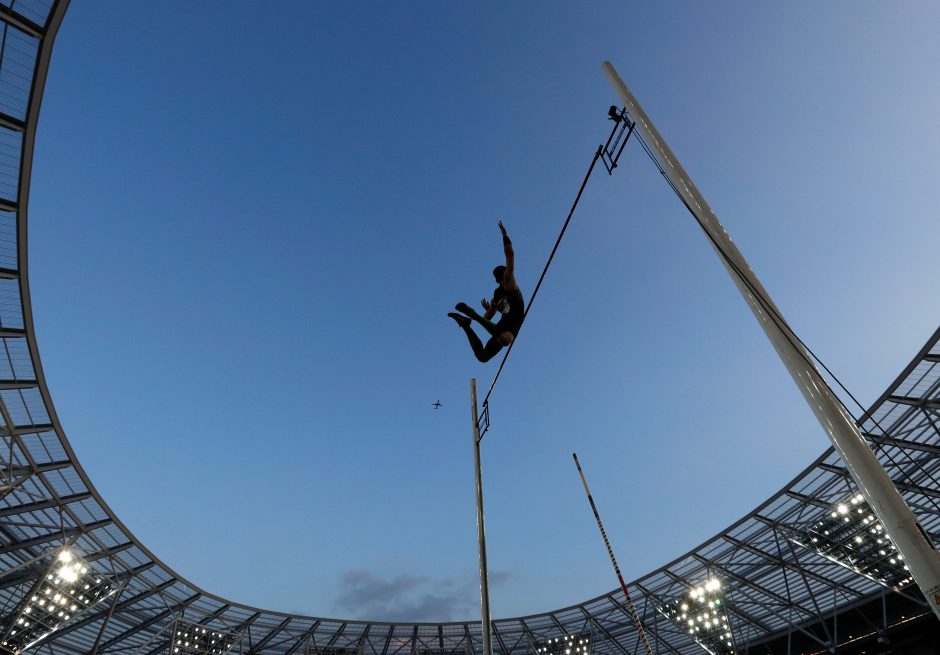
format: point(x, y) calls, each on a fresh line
point(407, 597)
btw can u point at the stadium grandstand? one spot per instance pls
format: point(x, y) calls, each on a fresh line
point(808, 571)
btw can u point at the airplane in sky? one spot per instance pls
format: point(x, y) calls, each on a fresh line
point(437, 405)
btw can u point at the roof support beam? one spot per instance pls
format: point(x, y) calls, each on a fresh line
point(245, 627)
point(388, 639)
point(902, 443)
point(107, 619)
point(364, 637)
point(38, 468)
point(803, 578)
point(915, 402)
point(468, 637)
point(19, 430)
point(600, 628)
point(111, 552)
point(903, 486)
point(336, 635)
point(20, 22)
point(309, 633)
point(626, 613)
point(782, 563)
point(499, 638)
point(807, 500)
point(39, 505)
point(15, 476)
point(149, 622)
point(11, 123)
point(53, 536)
point(7, 385)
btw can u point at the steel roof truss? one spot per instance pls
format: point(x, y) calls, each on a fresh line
point(123, 606)
point(626, 614)
point(20, 22)
point(264, 642)
point(62, 535)
point(903, 443)
point(303, 638)
point(783, 564)
point(39, 505)
point(107, 619)
point(140, 627)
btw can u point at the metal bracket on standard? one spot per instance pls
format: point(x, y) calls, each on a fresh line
point(619, 135)
point(483, 425)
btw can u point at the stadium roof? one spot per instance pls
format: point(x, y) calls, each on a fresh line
point(784, 572)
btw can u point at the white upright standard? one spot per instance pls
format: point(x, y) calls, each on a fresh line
point(872, 480)
point(481, 525)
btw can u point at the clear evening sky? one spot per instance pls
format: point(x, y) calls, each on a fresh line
point(249, 220)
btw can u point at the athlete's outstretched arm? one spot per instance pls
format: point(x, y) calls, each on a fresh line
point(509, 279)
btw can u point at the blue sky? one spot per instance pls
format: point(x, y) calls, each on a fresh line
point(247, 225)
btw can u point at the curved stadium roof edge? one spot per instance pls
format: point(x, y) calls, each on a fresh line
point(775, 580)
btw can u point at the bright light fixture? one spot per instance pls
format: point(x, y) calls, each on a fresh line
point(68, 588)
point(849, 535)
point(194, 639)
point(701, 613)
point(565, 645)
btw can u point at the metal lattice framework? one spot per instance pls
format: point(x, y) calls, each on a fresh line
point(773, 586)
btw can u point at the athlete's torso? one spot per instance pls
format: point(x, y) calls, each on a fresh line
point(512, 319)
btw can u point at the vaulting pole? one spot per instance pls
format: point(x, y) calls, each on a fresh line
point(613, 559)
point(481, 529)
point(872, 480)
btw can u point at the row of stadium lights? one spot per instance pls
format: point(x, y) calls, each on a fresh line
point(869, 538)
point(710, 616)
point(702, 614)
point(578, 645)
point(201, 640)
point(69, 588)
point(876, 529)
point(870, 553)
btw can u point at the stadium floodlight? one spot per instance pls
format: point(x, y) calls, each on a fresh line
point(565, 645)
point(194, 639)
point(850, 535)
point(701, 613)
point(68, 588)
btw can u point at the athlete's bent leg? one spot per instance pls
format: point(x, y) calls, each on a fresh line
point(489, 326)
point(474, 340)
point(481, 352)
point(489, 351)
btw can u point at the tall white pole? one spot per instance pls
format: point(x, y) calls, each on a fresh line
point(872, 480)
point(481, 528)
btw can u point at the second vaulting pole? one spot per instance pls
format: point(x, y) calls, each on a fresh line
point(613, 560)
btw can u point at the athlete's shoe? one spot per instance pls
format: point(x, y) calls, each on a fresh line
point(463, 308)
point(462, 321)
